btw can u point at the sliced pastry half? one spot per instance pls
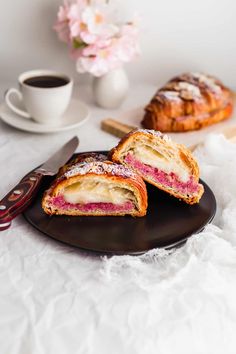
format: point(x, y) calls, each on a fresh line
point(161, 162)
point(91, 185)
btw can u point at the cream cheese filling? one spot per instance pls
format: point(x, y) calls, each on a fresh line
point(92, 191)
point(147, 155)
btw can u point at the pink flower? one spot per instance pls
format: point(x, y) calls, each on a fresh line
point(97, 44)
point(97, 60)
point(109, 54)
point(99, 65)
point(75, 17)
point(96, 25)
point(127, 46)
point(61, 26)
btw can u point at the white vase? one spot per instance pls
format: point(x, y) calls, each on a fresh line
point(111, 89)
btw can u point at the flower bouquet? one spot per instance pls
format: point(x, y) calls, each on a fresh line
point(97, 43)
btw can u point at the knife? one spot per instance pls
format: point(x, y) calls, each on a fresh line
point(20, 197)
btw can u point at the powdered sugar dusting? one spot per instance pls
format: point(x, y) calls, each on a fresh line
point(209, 81)
point(170, 95)
point(90, 157)
point(185, 89)
point(188, 86)
point(99, 167)
point(155, 133)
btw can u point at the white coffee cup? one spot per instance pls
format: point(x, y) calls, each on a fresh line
point(45, 105)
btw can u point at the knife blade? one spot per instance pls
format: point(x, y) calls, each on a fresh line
point(20, 197)
point(52, 165)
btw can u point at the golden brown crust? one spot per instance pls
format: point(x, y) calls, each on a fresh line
point(179, 150)
point(188, 102)
point(93, 166)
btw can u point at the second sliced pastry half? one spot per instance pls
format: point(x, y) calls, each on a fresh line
point(161, 162)
point(91, 185)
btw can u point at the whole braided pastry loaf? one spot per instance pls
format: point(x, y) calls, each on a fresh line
point(188, 102)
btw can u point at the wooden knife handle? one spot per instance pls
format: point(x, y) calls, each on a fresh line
point(116, 128)
point(18, 198)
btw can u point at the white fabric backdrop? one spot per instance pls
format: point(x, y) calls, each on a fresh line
point(56, 299)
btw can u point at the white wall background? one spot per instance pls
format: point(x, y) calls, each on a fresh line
point(177, 35)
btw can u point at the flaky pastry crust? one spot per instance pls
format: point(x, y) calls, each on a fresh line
point(174, 150)
point(94, 165)
point(188, 102)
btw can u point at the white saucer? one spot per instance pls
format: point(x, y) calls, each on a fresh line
point(76, 114)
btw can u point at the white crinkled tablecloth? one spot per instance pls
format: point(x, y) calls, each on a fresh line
point(56, 299)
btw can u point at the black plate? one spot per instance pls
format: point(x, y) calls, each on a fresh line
point(169, 222)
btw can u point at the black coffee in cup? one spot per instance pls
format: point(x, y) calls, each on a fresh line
point(46, 81)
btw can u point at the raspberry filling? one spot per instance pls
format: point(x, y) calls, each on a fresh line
point(167, 179)
point(60, 203)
